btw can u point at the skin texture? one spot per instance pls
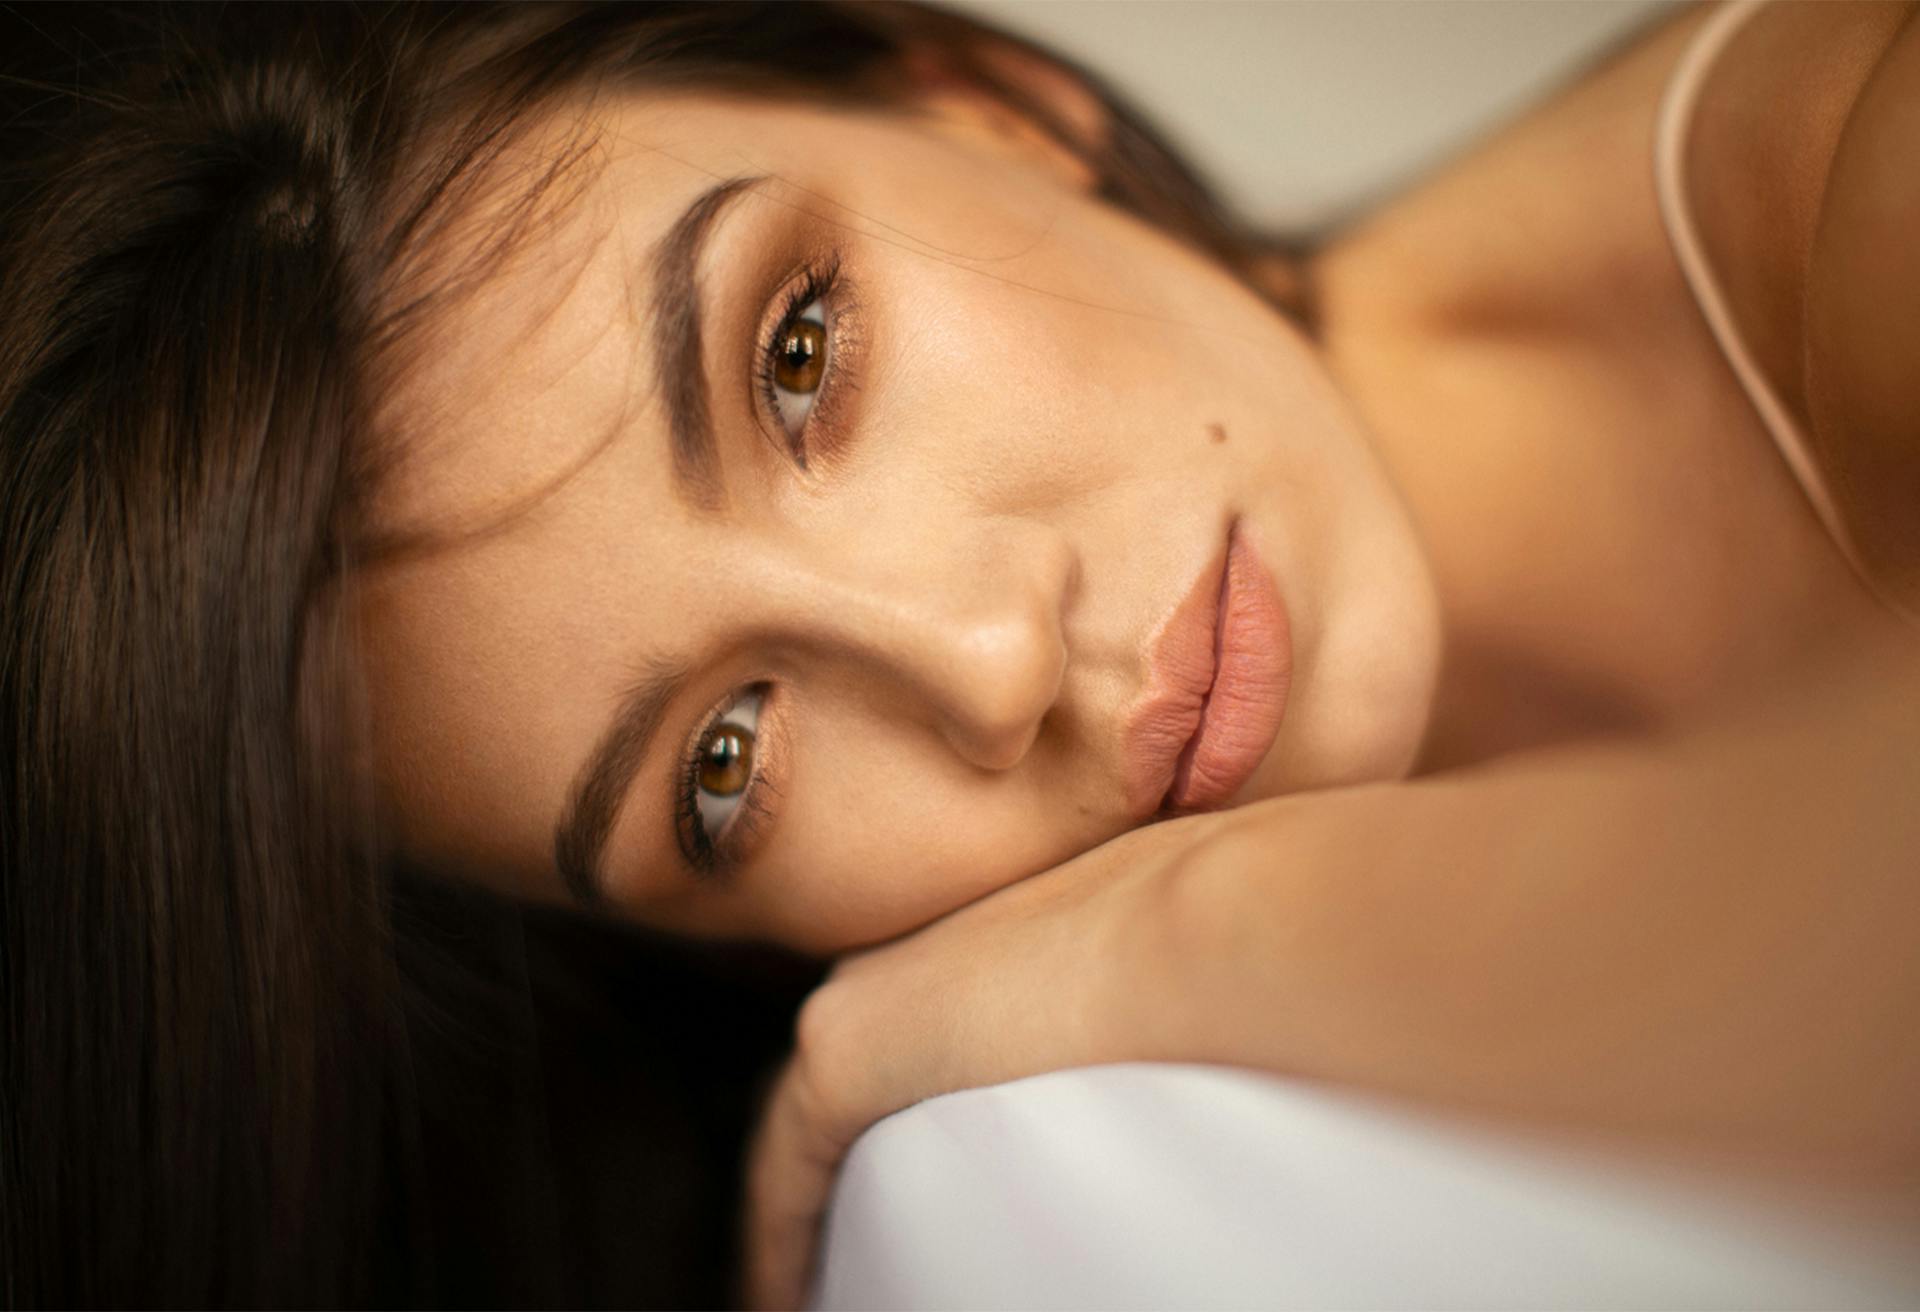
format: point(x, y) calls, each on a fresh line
point(1047, 417)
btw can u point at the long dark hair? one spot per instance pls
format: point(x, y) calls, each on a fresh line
point(208, 214)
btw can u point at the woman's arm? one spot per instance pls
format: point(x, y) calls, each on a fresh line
point(1715, 939)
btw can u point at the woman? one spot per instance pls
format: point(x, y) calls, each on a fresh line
point(823, 477)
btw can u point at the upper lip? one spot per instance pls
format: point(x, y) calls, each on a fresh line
point(1181, 659)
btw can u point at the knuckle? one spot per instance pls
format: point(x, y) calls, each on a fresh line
point(819, 1074)
point(815, 1024)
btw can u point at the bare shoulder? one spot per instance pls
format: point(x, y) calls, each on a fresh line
point(1798, 169)
point(1542, 220)
point(1523, 312)
point(1862, 314)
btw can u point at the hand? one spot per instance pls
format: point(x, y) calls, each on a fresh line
point(1050, 972)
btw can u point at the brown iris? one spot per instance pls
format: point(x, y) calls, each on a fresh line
point(801, 357)
point(726, 760)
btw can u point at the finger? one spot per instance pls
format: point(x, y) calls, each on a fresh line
point(789, 1191)
point(789, 1181)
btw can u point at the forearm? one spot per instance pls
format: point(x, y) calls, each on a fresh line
point(1716, 940)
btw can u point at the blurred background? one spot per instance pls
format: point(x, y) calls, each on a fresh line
point(1304, 113)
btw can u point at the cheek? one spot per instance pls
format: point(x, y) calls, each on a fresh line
point(1100, 339)
point(883, 830)
point(1006, 399)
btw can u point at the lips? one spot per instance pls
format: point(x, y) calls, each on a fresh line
point(1217, 681)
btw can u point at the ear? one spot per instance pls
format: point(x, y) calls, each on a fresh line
point(963, 92)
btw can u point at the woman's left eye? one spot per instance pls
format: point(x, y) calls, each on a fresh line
point(796, 367)
point(724, 770)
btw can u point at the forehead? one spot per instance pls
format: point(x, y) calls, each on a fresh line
point(523, 365)
point(534, 362)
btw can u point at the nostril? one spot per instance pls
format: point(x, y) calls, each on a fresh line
point(995, 752)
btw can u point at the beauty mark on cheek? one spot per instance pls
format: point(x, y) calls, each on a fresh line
point(1216, 434)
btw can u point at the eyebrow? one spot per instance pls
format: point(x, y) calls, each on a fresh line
point(679, 365)
point(593, 803)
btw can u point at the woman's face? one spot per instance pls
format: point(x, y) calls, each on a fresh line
point(819, 642)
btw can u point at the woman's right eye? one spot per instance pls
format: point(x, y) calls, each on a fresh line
point(803, 350)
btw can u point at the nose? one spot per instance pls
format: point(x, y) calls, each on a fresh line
point(993, 676)
point(971, 635)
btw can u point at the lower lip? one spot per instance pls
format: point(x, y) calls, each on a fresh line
point(1253, 665)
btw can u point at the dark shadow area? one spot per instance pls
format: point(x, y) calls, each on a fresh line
point(584, 1093)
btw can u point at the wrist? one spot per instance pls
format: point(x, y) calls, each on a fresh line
point(1182, 938)
point(1251, 946)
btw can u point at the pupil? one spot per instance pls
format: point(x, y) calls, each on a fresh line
point(799, 365)
point(727, 765)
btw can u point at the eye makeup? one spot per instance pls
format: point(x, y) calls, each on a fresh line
point(815, 291)
point(821, 287)
point(709, 764)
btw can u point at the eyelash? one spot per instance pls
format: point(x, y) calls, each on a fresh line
point(817, 283)
point(711, 859)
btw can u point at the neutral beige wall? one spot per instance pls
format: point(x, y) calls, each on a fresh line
point(1304, 111)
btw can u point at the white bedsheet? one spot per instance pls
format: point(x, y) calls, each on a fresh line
point(1189, 1187)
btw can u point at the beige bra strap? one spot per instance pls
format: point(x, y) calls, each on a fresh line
point(1669, 161)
